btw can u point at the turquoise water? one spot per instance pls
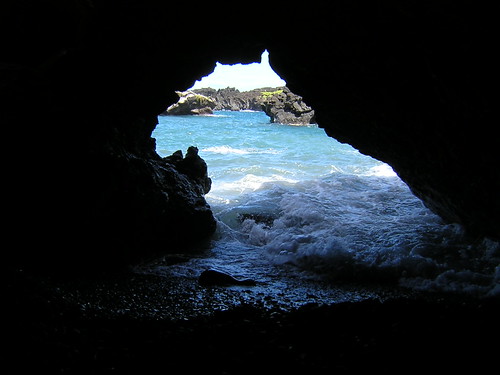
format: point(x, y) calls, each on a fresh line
point(245, 151)
point(295, 206)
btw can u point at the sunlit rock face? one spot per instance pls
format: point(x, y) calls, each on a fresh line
point(83, 82)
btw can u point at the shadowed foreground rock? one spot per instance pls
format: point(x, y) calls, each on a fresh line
point(214, 277)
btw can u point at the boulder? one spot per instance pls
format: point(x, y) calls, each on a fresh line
point(192, 166)
point(285, 107)
point(190, 103)
point(213, 277)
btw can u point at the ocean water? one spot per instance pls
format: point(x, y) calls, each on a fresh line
point(301, 214)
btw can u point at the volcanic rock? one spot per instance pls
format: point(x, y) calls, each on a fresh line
point(279, 103)
point(232, 99)
point(193, 166)
point(284, 107)
point(214, 277)
point(191, 103)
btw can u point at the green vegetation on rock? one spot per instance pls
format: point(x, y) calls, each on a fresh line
point(267, 94)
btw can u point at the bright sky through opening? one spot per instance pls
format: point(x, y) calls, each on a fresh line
point(244, 77)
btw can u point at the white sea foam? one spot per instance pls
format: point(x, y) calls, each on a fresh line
point(226, 150)
point(213, 115)
point(366, 229)
point(248, 183)
point(383, 170)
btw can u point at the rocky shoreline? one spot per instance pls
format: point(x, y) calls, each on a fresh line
point(279, 103)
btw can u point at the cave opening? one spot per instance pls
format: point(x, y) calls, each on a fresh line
point(290, 200)
point(83, 82)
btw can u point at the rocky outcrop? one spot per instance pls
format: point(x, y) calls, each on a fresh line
point(279, 103)
point(191, 103)
point(232, 99)
point(284, 107)
point(192, 166)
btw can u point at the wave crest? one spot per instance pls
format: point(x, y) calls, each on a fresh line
point(226, 150)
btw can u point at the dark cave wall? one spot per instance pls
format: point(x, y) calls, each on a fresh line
point(408, 84)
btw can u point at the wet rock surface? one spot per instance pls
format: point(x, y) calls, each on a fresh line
point(214, 277)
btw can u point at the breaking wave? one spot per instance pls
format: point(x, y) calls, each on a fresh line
point(361, 229)
point(225, 150)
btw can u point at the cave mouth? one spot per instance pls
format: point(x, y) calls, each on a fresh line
point(290, 201)
point(98, 73)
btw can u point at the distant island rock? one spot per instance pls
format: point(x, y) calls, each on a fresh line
point(285, 107)
point(279, 103)
point(232, 99)
point(191, 103)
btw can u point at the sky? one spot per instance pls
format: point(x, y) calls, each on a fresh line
point(242, 76)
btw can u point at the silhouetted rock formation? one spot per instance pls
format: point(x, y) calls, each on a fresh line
point(214, 277)
point(192, 166)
